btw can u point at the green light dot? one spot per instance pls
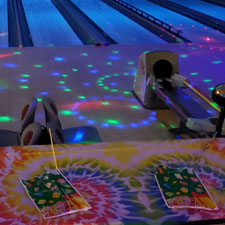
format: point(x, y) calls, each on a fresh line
point(67, 89)
point(114, 90)
point(24, 87)
point(99, 81)
point(105, 103)
point(5, 119)
point(100, 84)
point(217, 62)
point(102, 78)
point(106, 88)
point(172, 126)
point(74, 70)
point(146, 52)
point(114, 122)
point(194, 73)
point(84, 54)
point(16, 53)
point(66, 112)
point(38, 66)
point(126, 74)
point(213, 104)
point(211, 88)
point(162, 125)
point(135, 107)
point(107, 76)
point(25, 75)
point(90, 65)
point(81, 97)
point(183, 55)
point(153, 88)
point(115, 52)
point(116, 74)
point(61, 82)
point(39, 99)
point(130, 63)
point(207, 80)
point(126, 92)
point(64, 75)
point(109, 63)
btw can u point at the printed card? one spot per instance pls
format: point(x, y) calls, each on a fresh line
point(54, 195)
point(182, 188)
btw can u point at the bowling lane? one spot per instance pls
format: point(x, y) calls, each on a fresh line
point(4, 24)
point(122, 29)
point(47, 26)
point(204, 7)
point(192, 30)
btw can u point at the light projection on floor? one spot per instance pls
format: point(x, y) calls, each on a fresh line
point(87, 110)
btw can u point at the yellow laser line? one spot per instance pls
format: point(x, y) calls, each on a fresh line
point(202, 96)
point(53, 150)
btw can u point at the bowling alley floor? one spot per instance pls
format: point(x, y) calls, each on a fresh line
point(92, 85)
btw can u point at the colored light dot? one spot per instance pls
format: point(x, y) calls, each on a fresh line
point(146, 52)
point(162, 125)
point(23, 80)
point(135, 107)
point(114, 122)
point(64, 75)
point(90, 65)
point(10, 65)
point(24, 87)
point(207, 80)
point(172, 126)
point(211, 88)
point(106, 88)
point(16, 53)
point(217, 62)
point(59, 59)
point(194, 74)
point(84, 54)
point(153, 88)
point(67, 89)
point(126, 74)
point(74, 70)
point(25, 75)
point(39, 99)
point(107, 76)
point(130, 63)
point(116, 74)
point(81, 97)
point(86, 84)
point(114, 90)
point(100, 84)
point(183, 56)
point(115, 52)
point(55, 73)
point(5, 119)
point(66, 112)
point(38, 66)
point(126, 92)
point(109, 63)
point(105, 103)
point(61, 82)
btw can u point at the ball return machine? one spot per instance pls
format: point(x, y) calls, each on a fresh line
point(158, 85)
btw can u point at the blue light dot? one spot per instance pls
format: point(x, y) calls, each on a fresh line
point(59, 59)
point(10, 65)
point(55, 73)
point(113, 84)
point(105, 125)
point(153, 113)
point(43, 93)
point(134, 125)
point(120, 126)
point(23, 80)
point(78, 136)
point(114, 57)
point(152, 118)
point(93, 71)
point(144, 122)
point(91, 122)
point(87, 84)
point(81, 117)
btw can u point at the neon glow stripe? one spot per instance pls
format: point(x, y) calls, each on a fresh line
point(202, 96)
